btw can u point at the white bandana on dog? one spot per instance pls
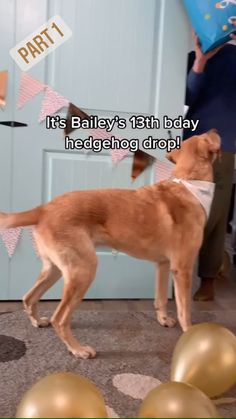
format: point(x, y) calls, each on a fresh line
point(202, 190)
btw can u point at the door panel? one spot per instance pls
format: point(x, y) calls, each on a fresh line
point(113, 43)
point(86, 171)
point(6, 42)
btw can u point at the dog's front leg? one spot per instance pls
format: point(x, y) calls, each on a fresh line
point(183, 286)
point(161, 297)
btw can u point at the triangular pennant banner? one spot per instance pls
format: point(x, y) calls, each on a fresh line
point(141, 161)
point(118, 154)
point(10, 238)
point(3, 87)
point(31, 234)
point(29, 87)
point(52, 103)
point(73, 111)
point(100, 134)
point(163, 170)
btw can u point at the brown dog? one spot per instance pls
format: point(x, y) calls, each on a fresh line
point(68, 229)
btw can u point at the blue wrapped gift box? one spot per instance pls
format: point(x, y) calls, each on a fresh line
point(212, 21)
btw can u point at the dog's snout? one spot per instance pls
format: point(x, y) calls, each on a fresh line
point(214, 131)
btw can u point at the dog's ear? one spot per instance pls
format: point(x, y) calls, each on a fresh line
point(209, 145)
point(173, 155)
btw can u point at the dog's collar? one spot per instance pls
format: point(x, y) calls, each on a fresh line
point(201, 189)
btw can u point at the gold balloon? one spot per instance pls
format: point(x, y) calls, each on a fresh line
point(63, 395)
point(177, 400)
point(205, 356)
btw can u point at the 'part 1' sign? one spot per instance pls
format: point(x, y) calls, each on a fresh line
point(40, 43)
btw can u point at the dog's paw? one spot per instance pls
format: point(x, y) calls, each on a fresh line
point(166, 321)
point(185, 327)
point(42, 322)
point(84, 352)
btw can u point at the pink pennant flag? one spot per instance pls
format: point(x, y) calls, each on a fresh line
point(163, 170)
point(118, 154)
point(29, 87)
point(31, 234)
point(52, 103)
point(100, 134)
point(10, 238)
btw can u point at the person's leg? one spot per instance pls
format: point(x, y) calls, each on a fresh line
point(211, 252)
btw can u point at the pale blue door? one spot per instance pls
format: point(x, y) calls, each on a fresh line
point(118, 61)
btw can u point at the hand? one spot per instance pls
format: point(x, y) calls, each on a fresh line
point(233, 36)
point(201, 58)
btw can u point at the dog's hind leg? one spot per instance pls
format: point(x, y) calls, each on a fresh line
point(48, 276)
point(161, 297)
point(78, 273)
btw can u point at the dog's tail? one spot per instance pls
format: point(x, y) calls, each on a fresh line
point(18, 219)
